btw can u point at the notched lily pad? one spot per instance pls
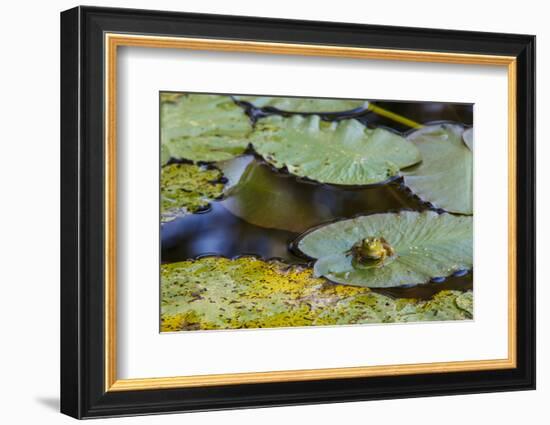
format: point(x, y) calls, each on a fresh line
point(391, 249)
point(201, 127)
point(187, 188)
point(304, 104)
point(342, 153)
point(444, 178)
point(218, 293)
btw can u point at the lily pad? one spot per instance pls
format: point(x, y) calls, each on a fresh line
point(187, 188)
point(342, 153)
point(304, 104)
point(444, 178)
point(466, 302)
point(218, 293)
point(164, 155)
point(262, 198)
point(170, 97)
point(468, 137)
point(202, 127)
point(391, 249)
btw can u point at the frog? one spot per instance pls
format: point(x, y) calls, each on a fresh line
point(373, 251)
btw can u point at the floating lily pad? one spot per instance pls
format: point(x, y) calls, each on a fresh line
point(187, 188)
point(201, 127)
point(391, 249)
point(169, 97)
point(444, 178)
point(344, 152)
point(466, 302)
point(218, 293)
point(164, 155)
point(304, 104)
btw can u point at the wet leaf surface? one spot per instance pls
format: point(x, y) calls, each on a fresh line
point(218, 293)
point(426, 245)
point(444, 178)
point(342, 153)
point(200, 127)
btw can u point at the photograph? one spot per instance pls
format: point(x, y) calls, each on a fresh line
point(263, 210)
point(311, 211)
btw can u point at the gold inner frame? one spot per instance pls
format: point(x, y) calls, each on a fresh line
point(113, 41)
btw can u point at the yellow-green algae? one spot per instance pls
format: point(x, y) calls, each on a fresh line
point(219, 293)
point(186, 188)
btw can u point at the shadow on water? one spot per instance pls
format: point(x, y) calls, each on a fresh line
point(268, 209)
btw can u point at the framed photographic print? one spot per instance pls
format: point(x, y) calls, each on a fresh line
point(261, 212)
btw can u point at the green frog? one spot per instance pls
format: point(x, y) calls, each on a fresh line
point(371, 252)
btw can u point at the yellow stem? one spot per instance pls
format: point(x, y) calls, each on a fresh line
point(393, 116)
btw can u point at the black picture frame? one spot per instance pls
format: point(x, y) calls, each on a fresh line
point(83, 392)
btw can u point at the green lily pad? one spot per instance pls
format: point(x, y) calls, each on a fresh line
point(466, 302)
point(187, 188)
point(344, 152)
point(304, 104)
point(218, 293)
point(202, 127)
point(164, 155)
point(421, 246)
point(170, 97)
point(444, 178)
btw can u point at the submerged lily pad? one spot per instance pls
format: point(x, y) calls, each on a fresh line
point(262, 198)
point(201, 127)
point(344, 152)
point(394, 249)
point(275, 200)
point(218, 293)
point(444, 178)
point(304, 104)
point(187, 188)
